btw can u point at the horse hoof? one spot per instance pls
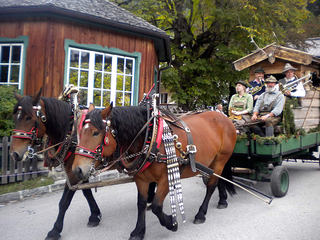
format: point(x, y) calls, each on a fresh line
point(199, 221)
point(53, 236)
point(222, 205)
point(94, 221)
point(93, 224)
point(136, 238)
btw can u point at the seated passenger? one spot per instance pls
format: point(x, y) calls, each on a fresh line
point(219, 109)
point(268, 109)
point(240, 105)
point(298, 90)
point(257, 86)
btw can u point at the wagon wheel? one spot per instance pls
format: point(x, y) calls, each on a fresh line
point(279, 181)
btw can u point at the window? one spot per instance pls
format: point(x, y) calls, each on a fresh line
point(11, 55)
point(163, 97)
point(101, 77)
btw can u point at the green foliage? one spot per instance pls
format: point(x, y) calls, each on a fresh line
point(288, 117)
point(7, 102)
point(269, 140)
point(208, 35)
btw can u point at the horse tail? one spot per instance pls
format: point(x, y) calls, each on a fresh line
point(227, 173)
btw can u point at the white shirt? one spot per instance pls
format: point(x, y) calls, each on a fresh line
point(300, 92)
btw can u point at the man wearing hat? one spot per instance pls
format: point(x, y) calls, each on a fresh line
point(240, 105)
point(298, 90)
point(257, 86)
point(268, 108)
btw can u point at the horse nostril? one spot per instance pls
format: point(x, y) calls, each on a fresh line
point(15, 156)
point(78, 173)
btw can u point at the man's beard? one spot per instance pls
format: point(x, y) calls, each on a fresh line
point(271, 89)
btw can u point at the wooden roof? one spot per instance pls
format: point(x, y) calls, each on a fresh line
point(273, 51)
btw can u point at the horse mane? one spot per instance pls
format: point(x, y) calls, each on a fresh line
point(58, 115)
point(126, 121)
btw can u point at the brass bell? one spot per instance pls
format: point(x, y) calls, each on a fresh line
point(178, 145)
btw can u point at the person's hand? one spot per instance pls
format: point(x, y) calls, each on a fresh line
point(256, 97)
point(287, 93)
point(264, 118)
point(254, 117)
point(235, 112)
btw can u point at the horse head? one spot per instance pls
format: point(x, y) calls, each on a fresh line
point(29, 117)
point(95, 141)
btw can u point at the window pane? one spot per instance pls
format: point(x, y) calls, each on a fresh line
point(129, 64)
point(83, 79)
point(14, 74)
point(119, 99)
point(107, 63)
point(83, 96)
point(98, 62)
point(106, 98)
point(73, 77)
point(120, 66)
point(127, 99)
point(97, 98)
point(120, 82)
point(5, 53)
point(4, 73)
point(85, 60)
point(107, 81)
point(16, 50)
point(74, 58)
point(97, 80)
point(128, 83)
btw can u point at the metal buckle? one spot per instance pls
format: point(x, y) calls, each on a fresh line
point(30, 152)
point(191, 148)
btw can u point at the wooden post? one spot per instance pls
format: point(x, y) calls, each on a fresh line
point(4, 178)
point(12, 177)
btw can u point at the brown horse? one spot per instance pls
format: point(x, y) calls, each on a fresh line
point(34, 117)
point(112, 129)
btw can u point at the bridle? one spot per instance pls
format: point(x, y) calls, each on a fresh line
point(33, 134)
point(97, 153)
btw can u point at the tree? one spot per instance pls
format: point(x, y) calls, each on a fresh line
point(208, 35)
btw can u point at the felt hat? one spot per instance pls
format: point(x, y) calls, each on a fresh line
point(259, 70)
point(287, 67)
point(243, 83)
point(271, 79)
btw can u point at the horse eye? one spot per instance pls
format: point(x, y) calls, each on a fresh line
point(95, 133)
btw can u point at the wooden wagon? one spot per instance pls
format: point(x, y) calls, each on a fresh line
point(260, 159)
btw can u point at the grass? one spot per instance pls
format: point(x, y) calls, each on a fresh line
point(29, 184)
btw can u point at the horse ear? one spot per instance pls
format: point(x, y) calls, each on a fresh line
point(37, 97)
point(17, 96)
point(91, 107)
point(106, 112)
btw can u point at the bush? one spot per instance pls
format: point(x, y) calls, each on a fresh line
point(7, 102)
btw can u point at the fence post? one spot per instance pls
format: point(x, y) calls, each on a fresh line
point(4, 178)
point(12, 177)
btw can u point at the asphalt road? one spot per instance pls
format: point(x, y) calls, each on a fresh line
point(293, 217)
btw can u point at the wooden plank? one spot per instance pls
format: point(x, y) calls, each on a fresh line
point(12, 177)
point(292, 55)
point(308, 122)
point(104, 183)
point(34, 163)
point(4, 178)
point(305, 112)
point(27, 170)
point(19, 171)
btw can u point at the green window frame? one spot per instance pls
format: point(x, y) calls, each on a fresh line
point(102, 75)
point(12, 61)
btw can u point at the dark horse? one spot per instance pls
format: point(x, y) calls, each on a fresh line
point(52, 119)
point(110, 129)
